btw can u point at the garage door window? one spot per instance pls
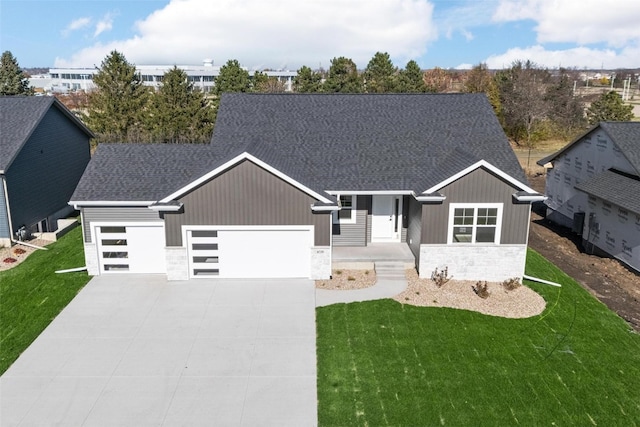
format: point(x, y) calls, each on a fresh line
point(203, 253)
point(113, 241)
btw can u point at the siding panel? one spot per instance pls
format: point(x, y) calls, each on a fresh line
point(358, 233)
point(43, 176)
point(246, 194)
point(115, 214)
point(479, 186)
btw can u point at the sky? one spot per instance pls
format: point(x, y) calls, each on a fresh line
point(287, 34)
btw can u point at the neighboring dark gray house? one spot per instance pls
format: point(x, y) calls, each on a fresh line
point(287, 177)
point(44, 150)
point(593, 186)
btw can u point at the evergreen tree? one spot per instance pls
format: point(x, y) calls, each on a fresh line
point(380, 74)
point(343, 77)
point(179, 111)
point(13, 80)
point(117, 105)
point(232, 78)
point(609, 107)
point(307, 81)
point(411, 79)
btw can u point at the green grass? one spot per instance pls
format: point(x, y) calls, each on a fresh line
point(32, 295)
point(382, 363)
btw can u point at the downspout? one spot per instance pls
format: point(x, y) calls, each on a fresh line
point(6, 201)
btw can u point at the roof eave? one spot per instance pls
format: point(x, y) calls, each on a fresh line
point(89, 203)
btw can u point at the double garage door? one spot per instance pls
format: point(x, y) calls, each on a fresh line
point(225, 252)
point(249, 252)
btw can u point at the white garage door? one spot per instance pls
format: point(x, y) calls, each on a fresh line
point(250, 252)
point(131, 248)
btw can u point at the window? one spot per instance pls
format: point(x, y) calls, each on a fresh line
point(346, 215)
point(475, 223)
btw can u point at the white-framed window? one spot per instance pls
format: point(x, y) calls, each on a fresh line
point(347, 214)
point(473, 223)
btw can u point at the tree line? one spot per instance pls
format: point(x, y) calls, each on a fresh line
point(531, 102)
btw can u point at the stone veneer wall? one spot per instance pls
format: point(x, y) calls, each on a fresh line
point(177, 263)
point(474, 262)
point(91, 259)
point(320, 263)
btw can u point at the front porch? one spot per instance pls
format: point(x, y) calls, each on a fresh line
point(364, 257)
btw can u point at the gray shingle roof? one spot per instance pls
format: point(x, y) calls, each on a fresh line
point(614, 187)
point(19, 116)
point(626, 136)
point(326, 142)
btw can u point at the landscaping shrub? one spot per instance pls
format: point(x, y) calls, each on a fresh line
point(481, 289)
point(511, 284)
point(440, 277)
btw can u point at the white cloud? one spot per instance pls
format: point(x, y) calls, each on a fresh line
point(105, 24)
point(76, 24)
point(579, 57)
point(288, 33)
point(462, 15)
point(614, 22)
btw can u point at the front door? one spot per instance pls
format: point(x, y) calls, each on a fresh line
point(386, 218)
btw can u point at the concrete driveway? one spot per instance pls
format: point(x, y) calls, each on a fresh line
point(141, 351)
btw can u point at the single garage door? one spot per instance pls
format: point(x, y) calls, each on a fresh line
point(250, 252)
point(131, 248)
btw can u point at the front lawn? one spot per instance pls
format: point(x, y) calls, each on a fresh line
point(382, 363)
point(32, 295)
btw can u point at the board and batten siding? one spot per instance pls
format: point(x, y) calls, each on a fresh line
point(46, 171)
point(479, 186)
point(359, 233)
point(247, 194)
point(4, 215)
point(115, 214)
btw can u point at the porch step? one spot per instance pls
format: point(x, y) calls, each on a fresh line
point(390, 269)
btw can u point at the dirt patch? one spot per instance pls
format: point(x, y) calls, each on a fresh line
point(517, 303)
point(348, 279)
point(607, 279)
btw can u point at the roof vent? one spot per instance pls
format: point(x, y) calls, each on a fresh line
point(208, 62)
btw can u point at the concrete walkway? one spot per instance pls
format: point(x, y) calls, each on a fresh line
point(391, 281)
point(136, 350)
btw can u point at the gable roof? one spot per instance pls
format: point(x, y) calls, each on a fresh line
point(626, 136)
point(617, 188)
point(19, 117)
point(326, 142)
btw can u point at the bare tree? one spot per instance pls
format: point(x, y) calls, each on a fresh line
point(522, 95)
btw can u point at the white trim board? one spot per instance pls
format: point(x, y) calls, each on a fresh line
point(234, 161)
point(75, 204)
